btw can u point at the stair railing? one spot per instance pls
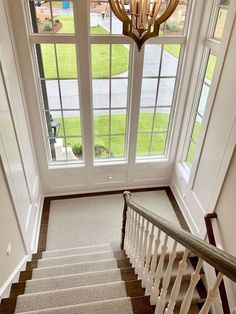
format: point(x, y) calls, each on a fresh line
point(148, 238)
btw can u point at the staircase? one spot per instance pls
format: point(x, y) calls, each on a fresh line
point(85, 280)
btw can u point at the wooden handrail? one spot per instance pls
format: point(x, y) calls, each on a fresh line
point(211, 238)
point(222, 261)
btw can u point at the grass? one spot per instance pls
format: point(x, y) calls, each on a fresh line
point(118, 126)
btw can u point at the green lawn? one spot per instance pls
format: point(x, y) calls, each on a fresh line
point(118, 126)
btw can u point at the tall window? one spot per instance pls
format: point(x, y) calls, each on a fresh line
point(209, 63)
point(109, 82)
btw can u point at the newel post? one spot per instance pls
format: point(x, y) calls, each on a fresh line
point(126, 195)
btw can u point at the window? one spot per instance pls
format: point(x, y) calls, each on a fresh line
point(204, 84)
point(99, 114)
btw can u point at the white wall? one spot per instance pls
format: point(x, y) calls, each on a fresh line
point(17, 156)
point(199, 195)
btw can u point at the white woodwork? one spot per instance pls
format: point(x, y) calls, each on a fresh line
point(127, 230)
point(212, 295)
point(137, 243)
point(161, 300)
point(134, 240)
point(151, 273)
point(140, 245)
point(176, 287)
point(130, 246)
point(159, 271)
point(148, 257)
point(195, 277)
point(144, 251)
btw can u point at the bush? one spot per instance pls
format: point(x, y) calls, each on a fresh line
point(47, 27)
point(172, 26)
point(77, 149)
point(100, 150)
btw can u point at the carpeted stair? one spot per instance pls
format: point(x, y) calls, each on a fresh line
point(84, 280)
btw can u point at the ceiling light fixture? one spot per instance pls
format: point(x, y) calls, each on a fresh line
point(142, 18)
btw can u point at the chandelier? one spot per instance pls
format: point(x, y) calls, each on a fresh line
point(142, 18)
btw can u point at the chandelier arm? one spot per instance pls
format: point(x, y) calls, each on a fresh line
point(157, 8)
point(169, 10)
point(122, 11)
point(116, 11)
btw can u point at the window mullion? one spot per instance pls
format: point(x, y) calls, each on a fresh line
point(83, 61)
point(136, 77)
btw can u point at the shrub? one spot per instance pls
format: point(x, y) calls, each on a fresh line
point(47, 27)
point(77, 149)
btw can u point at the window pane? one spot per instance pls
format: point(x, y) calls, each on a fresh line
point(152, 55)
point(220, 23)
point(119, 89)
point(63, 17)
point(170, 60)
point(161, 121)
point(74, 148)
point(191, 153)
point(210, 68)
point(72, 123)
point(175, 24)
point(197, 127)
point(54, 123)
point(57, 149)
point(117, 146)
point(52, 90)
point(66, 56)
point(165, 93)
point(143, 144)
point(120, 60)
point(69, 94)
point(203, 99)
point(100, 94)
point(118, 121)
point(100, 61)
point(145, 120)
point(101, 147)
point(148, 94)
point(158, 144)
point(101, 122)
point(49, 68)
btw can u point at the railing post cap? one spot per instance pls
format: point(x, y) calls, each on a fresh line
point(127, 194)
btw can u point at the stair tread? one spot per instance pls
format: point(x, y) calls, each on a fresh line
point(72, 296)
point(82, 249)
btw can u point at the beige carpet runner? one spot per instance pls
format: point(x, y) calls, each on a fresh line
point(81, 280)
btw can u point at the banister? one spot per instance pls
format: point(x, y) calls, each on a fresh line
point(222, 261)
point(211, 238)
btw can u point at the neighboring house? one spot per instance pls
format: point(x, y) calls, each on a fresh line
point(27, 174)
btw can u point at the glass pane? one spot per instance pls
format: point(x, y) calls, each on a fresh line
point(54, 122)
point(100, 61)
point(151, 63)
point(119, 93)
point(74, 148)
point(101, 147)
point(72, 123)
point(210, 68)
point(101, 122)
point(118, 121)
point(120, 60)
point(117, 146)
point(143, 144)
point(145, 120)
point(161, 121)
point(203, 99)
point(57, 149)
point(148, 94)
point(69, 94)
point(100, 93)
point(52, 91)
point(48, 68)
point(63, 17)
point(175, 24)
point(220, 23)
point(66, 58)
point(116, 25)
point(158, 144)
point(99, 17)
point(197, 127)
point(170, 60)
point(191, 153)
point(165, 93)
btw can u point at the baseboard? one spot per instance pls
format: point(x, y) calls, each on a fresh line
point(187, 216)
point(36, 231)
point(14, 276)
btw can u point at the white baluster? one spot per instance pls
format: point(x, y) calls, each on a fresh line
point(137, 241)
point(159, 271)
point(144, 251)
point(132, 257)
point(176, 287)
point(127, 230)
point(195, 277)
point(129, 249)
point(148, 258)
point(151, 273)
point(161, 301)
point(211, 295)
point(140, 245)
